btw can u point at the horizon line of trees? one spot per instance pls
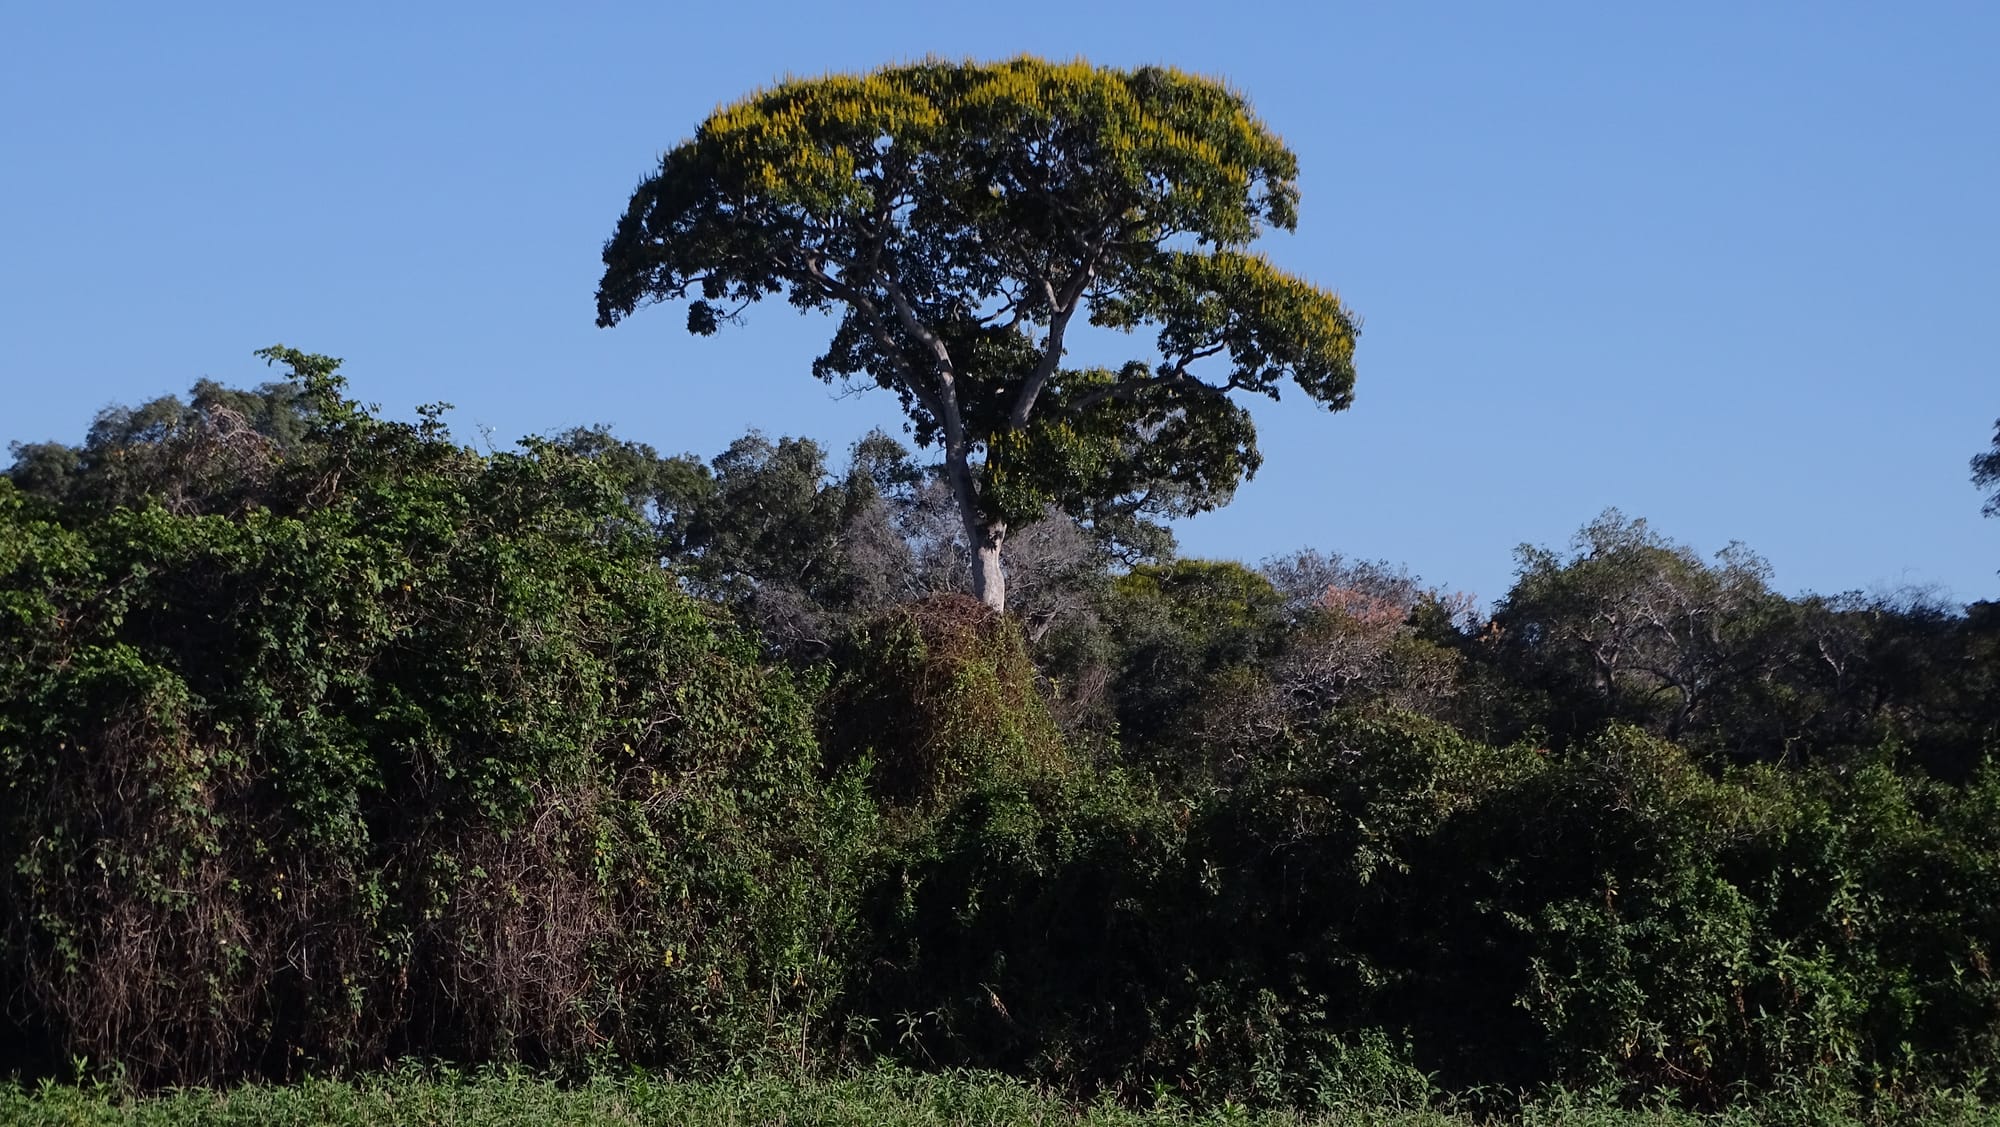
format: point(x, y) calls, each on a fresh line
point(1627, 626)
point(327, 741)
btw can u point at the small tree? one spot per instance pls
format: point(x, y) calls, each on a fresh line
point(1986, 472)
point(1635, 624)
point(959, 217)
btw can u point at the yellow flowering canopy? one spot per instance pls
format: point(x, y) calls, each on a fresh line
point(958, 216)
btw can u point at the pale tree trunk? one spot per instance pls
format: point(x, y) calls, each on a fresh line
point(989, 581)
point(984, 535)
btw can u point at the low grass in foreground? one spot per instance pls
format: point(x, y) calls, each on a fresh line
point(880, 1098)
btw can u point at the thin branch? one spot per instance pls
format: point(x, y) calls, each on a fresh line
point(1126, 389)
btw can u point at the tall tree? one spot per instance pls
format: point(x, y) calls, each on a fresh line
point(958, 218)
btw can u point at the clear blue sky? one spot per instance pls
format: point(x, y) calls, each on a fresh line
point(1731, 267)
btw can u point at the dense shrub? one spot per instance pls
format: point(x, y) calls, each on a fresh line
point(421, 754)
point(1384, 900)
point(1105, 934)
point(935, 696)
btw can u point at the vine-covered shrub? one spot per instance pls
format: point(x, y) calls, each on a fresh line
point(419, 753)
point(936, 696)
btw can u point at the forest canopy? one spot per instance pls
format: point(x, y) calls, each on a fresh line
point(345, 741)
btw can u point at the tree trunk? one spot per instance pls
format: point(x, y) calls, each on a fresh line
point(983, 534)
point(989, 581)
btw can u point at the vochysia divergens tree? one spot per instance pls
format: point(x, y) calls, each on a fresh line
point(959, 217)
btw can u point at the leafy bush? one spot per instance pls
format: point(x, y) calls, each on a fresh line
point(421, 754)
point(936, 696)
point(326, 741)
point(1384, 904)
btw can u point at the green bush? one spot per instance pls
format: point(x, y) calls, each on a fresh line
point(1100, 934)
point(421, 754)
point(1382, 905)
point(935, 696)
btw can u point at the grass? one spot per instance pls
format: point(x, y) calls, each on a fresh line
point(878, 1098)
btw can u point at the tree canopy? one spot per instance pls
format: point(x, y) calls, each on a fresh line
point(1634, 627)
point(958, 217)
point(212, 452)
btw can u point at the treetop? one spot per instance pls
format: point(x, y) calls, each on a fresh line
point(1026, 161)
point(961, 218)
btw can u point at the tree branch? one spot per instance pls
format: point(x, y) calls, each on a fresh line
point(870, 312)
point(1126, 389)
point(957, 451)
point(1061, 308)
